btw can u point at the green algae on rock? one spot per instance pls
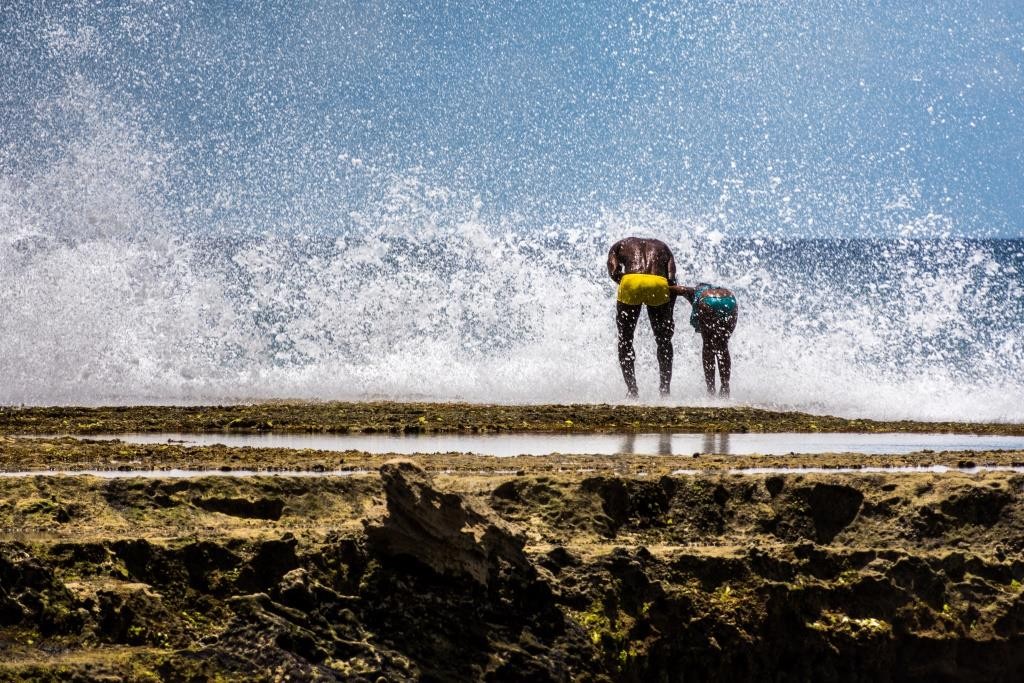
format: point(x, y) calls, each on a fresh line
point(397, 417)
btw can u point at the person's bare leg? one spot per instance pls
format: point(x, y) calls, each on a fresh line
point(724, 358)
point(724, 365)
point(708, 357)
point(663, 325)
point(626, 316)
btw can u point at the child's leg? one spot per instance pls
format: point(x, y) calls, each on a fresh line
point(722, 331)
point(724, 365)
point(708, 357)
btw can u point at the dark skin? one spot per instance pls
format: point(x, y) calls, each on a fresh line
point(715, 331)
point(650, 257)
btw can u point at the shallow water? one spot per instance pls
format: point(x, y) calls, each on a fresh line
point(175, 473)
point(901, 469)
point(504, 445)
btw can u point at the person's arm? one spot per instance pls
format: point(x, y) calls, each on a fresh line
point(613, 263)
point(683, 291)
point(671, 269)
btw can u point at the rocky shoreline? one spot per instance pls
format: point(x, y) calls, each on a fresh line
point(458, 567)
point(430, 418)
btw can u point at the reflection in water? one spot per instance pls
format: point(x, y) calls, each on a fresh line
point(715, 443)
point(712, 442)
point(595, 444)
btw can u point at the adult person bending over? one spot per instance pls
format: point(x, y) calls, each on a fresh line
point(714, 316)
point(644, 269)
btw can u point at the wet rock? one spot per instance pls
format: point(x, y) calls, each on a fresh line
point(441, 530)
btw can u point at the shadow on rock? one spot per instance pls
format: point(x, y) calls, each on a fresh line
point(455, 589)
point(819, 512)
point(439, 589)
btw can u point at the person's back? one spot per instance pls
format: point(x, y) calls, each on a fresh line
point(641, 255)
point(644, 269)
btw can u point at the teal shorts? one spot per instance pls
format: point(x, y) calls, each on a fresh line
point(724, 307)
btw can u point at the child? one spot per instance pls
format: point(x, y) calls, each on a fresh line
point(714, 316)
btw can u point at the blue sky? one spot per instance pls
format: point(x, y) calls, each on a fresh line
point(810, 118)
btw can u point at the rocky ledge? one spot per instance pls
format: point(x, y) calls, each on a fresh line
point(403, 575)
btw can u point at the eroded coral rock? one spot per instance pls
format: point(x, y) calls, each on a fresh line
point(441, 530)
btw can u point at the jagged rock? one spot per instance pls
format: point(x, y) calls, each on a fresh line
point(441, 530)
point(922, 582)
point(29, 593)
point(267, 635)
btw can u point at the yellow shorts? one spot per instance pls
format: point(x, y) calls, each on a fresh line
point(640, 288)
